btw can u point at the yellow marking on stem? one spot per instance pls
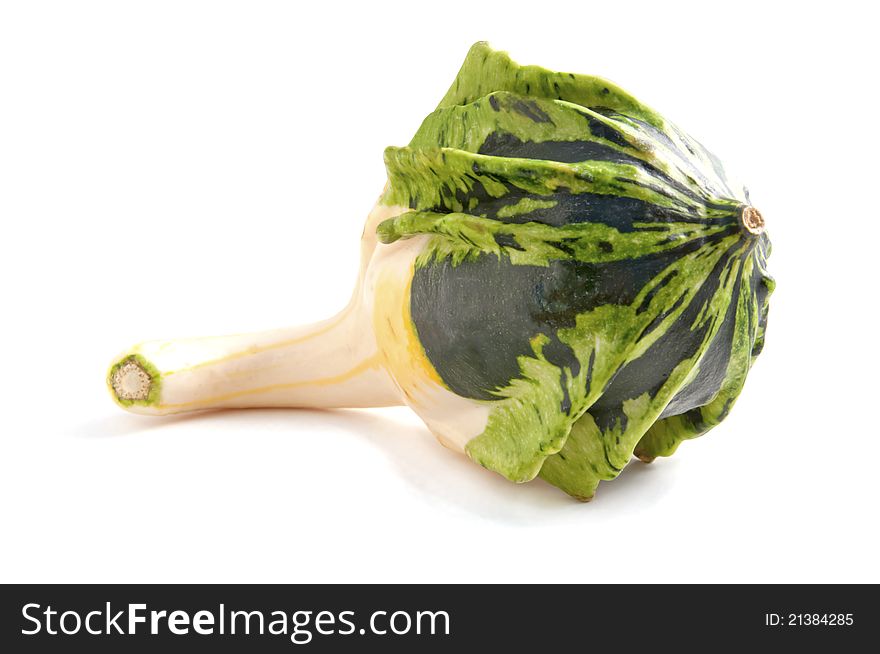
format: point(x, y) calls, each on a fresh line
point(257, 349)
point(397, 336)
point(414, 345)
point(374, 361)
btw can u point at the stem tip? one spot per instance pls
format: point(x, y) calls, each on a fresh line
point(752, 220)
point(130, 381)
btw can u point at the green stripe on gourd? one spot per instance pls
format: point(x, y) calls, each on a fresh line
point(437, 178)
point(460, 236)
point(486, 71)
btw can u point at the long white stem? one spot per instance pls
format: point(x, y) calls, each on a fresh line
point(334, 363)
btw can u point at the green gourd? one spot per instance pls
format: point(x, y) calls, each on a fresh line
point(555, 279)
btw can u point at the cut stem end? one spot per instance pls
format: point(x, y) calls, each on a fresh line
point(133, 381)
point(752, 220)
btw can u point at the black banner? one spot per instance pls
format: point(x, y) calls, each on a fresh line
point(325, 618)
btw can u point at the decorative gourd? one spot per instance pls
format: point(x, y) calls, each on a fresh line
point(555, 278)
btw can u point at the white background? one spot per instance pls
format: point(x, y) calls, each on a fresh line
point(172, 168)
